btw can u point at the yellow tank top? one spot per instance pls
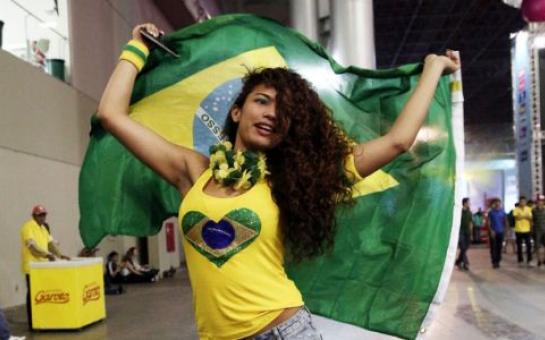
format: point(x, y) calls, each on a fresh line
point(235, 258)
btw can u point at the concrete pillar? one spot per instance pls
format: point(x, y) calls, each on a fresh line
point(353, 34)
point(304, 17)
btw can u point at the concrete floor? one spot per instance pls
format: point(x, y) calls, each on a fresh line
point(484, 303)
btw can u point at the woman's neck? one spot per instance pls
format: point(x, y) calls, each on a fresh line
point(239, 145)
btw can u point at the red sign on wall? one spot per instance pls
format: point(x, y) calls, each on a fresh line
point(171, 237)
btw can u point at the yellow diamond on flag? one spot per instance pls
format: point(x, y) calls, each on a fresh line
point(376, 182)
point(171, 111)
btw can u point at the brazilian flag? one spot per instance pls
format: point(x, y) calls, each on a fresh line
point(388, 266)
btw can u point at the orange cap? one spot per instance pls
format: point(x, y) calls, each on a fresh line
point(39, 209)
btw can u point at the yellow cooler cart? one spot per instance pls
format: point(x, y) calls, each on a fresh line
point(67, 294)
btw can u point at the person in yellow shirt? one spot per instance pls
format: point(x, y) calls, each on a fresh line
point(36, 245)
point(523, 228)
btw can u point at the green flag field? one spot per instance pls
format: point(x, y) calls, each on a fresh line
point(394, 248)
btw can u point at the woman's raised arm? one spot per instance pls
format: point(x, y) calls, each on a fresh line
point(180, 166)
point(372, 155)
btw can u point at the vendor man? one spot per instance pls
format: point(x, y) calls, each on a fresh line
point(37, 245)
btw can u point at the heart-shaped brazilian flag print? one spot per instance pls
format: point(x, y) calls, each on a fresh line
point(221, 240)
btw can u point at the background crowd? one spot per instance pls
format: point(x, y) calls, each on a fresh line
point(522, 230)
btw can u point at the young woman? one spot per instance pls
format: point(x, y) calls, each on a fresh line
point(113, 269)
point(131, 257)
point(268, 193)
point(113, 275)
point(131, 273)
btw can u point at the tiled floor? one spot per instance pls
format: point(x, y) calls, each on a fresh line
point(508, 303)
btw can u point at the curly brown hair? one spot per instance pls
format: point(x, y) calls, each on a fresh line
point(307, 175)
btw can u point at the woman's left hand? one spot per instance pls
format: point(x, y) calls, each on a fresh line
point(452, 62)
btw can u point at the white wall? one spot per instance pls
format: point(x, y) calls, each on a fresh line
point(117, 243)
point(488, 179)
point(44, 125)
point(157, 247)
point(36, 21)
point(98, 31)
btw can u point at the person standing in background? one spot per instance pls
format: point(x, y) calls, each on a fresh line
point(538, 219)
point(523, 229)
point(510, 237)
point(498, 224)
point(478, 222)
point(466, 226)
point(36, 245)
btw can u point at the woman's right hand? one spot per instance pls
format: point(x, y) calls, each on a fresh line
point(149, 27)
point(179, 165)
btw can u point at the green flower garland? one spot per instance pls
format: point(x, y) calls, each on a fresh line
point(241, 170)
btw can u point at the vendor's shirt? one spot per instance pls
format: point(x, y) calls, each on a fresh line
point(31, 230)
point(522, 225)
point(497, 220)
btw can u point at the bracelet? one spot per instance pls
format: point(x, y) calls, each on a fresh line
point(136, 53)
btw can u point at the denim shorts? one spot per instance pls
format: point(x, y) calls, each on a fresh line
point(299, 327)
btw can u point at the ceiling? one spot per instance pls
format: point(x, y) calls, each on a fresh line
point(407, 30)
